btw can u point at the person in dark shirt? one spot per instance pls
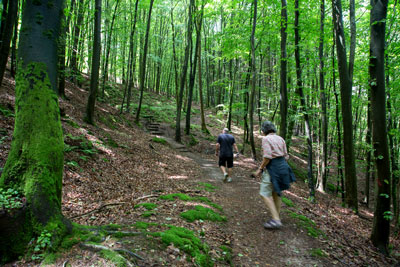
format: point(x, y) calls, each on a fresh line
point(224, 150)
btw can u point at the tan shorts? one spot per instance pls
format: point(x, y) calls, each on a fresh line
point(266, 185)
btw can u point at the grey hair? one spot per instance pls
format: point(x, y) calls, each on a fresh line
point(226, 130)
point(268, 127)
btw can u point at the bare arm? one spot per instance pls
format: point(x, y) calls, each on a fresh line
point(264, 163)
point(217, 149)
point(236, 148)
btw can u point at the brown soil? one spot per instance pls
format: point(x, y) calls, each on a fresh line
point(128, 168)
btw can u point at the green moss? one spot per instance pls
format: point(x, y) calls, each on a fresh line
point(143, 225)
point(148, 213)
point(287, 202)
point(207, 201)
point(208, 187)
point(50, 258)
point(147, 206)
point(193, 141)
point(35, 163)
point(185, 197)
point(114, 257)
point(174, 196)
point(159, 140)
point(112, 226)
point(226, 255)
point(185, 240)
point(202, 213)
point(317, 252)
point(307, 224)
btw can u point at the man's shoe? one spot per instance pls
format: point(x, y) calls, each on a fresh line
point(225, 177)
point(273, 224)
point(229, 179)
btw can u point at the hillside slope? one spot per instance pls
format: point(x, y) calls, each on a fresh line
point(118, 173)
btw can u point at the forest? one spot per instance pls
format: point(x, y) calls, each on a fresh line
point(326, 73)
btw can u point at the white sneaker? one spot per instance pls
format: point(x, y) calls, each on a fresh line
point(229, 179)
point(225, 177)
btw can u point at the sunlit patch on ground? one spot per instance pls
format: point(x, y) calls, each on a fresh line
point(178, 177)
point(182, 158)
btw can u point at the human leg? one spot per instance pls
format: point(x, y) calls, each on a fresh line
point(229, 164)
point(222, 166)
point(269, 202)
point(266, 193)
point(277, 201)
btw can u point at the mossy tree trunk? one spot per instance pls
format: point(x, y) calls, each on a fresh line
point(35, 163)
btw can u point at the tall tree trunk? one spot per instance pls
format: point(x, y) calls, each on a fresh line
point(283, 89)
point(347, 117)
point(108, 48)
point(352, 39)
point(143, 63)
point(77, 31)
point(62, 48)
point(6, 36)
point(369, 152)
point(198, 25)
point(14, 46)
point(338, 126)
point(34, 166)
point(94, 77)
point(253, 82)
point(299, 85)
point(381, 226)
point(203, 120)
point(324, 117)
point(232, 77)
point(183, 75)
point(132, 60)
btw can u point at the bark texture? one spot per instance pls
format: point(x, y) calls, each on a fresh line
point(35, 164)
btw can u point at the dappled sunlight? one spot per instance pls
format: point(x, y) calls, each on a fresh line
point(294, 195)
point(298, 158)
point(97, 143)
point(179, 177)
point(183, 158)
point(194, 204)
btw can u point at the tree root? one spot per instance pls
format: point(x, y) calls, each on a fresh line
point(96, 248)
point(111, 204)
point(129, 252)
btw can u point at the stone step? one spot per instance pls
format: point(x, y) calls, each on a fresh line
point(153, 128)
point(156, 133)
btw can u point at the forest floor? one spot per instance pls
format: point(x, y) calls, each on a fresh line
point(119, 173)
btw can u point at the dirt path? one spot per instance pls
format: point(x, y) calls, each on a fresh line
point(253, 245)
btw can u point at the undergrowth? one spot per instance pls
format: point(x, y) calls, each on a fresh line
point(307, 224)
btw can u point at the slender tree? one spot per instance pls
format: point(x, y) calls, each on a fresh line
point(183, 74)
point(94, 77)
point(6, 35)
point(299, 85)
point(253, 80)
point(143, 63)
point(381, 227)
point(346, 108)
point(283, 76)
point(324, 116)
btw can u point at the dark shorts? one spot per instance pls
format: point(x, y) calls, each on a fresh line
point(226, 162)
